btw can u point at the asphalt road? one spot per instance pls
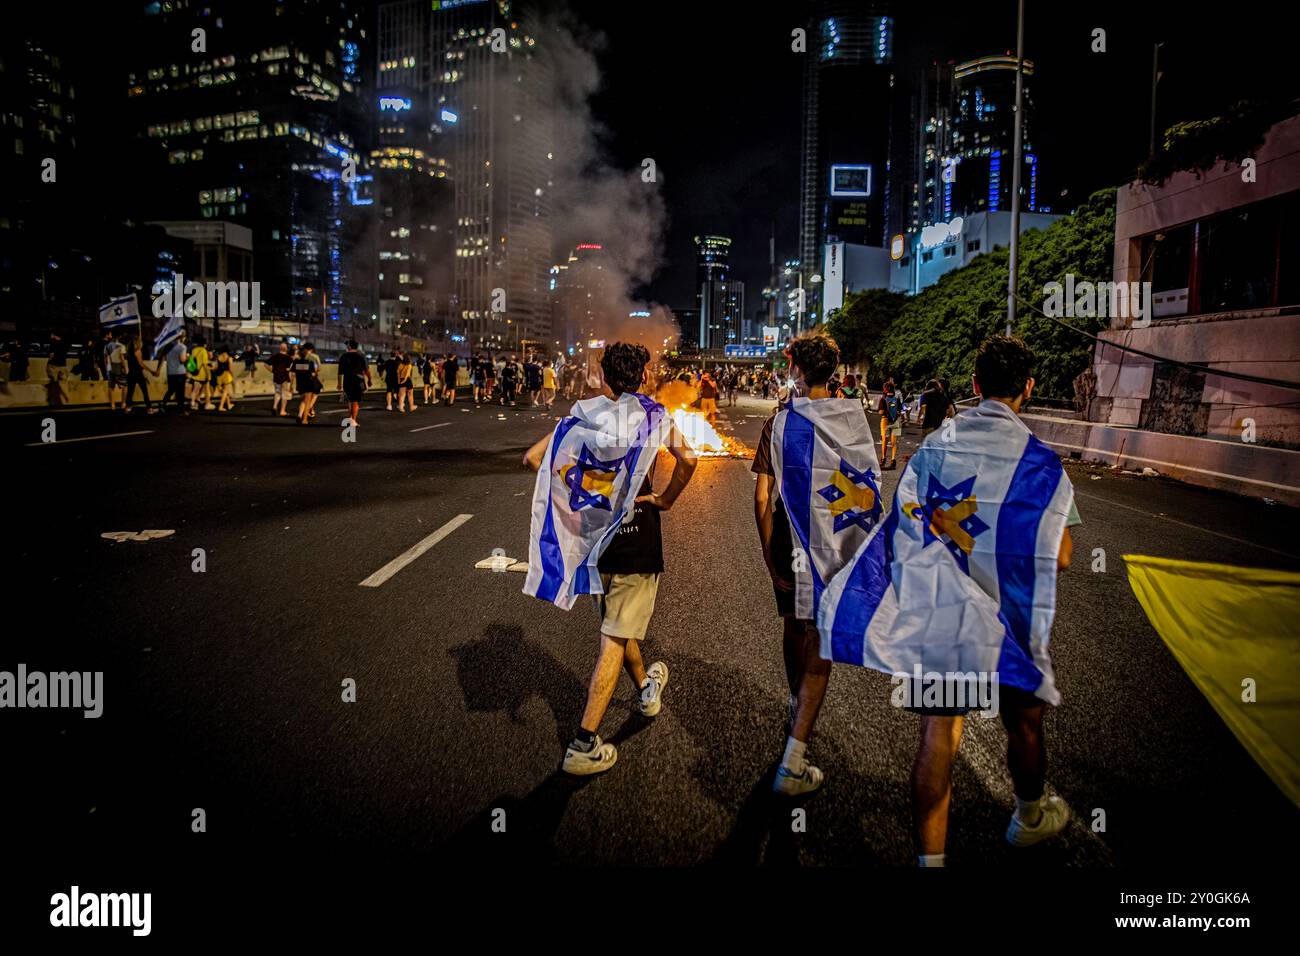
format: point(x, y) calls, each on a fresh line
point(223, 688)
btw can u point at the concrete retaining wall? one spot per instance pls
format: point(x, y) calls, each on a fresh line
point(1259, 471)
point(32, 393)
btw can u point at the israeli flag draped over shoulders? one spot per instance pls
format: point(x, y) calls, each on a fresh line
point(827, 474)
point(970, 548)
point(121, 311)
point(594, 466)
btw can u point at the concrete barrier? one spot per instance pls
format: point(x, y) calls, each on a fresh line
point(1259, 471)
point(33, 392)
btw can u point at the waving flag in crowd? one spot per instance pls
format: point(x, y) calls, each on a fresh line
point(824, 457)
point(595, 463)
point(169, 333)
point(969, 553)
point(121, 311)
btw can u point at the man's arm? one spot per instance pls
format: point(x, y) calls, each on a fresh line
point(763, 500)
point(683, 469)
point(534, 456)
point(1067, 551)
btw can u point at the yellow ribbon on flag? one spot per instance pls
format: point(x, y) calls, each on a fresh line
point(1224, 625)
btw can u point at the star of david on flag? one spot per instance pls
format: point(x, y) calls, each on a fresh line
point(590, 481)
point(852, 498)
point(950, 513)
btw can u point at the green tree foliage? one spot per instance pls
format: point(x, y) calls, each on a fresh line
point(861, 323)
point(937, 332)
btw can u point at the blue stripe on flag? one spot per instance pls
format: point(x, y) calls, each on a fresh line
point(549, 544)
point(796, 486)
point(862, 592)
point(1027, 496)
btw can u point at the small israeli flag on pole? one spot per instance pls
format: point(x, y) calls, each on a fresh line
point(121, 311)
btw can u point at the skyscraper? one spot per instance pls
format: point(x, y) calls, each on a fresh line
point(582, 293)
point(721, 299)
point(259, 120)
point(983, 137)
point(474, 79)
point(846, 129)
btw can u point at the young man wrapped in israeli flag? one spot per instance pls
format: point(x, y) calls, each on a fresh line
point(816, 500)
point(595, 462)
point(596, 530)
point(971, 549)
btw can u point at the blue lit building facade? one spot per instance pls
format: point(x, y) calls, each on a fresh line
point(846, 139)
point(267, 127)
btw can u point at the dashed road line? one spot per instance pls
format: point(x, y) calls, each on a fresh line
point(68, 441)
point(406, 557)
point(427, 427)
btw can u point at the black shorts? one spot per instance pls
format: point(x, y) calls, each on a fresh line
point(355, 391)
point(1009, 698)
point(308, 385)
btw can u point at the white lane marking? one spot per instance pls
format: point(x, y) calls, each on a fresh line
point(405, 558)
point(1165, 518)
point(68, 441)
point(427, 427)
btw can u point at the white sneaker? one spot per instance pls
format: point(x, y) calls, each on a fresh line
point(790, 784)
point(1055, 815)
point(599, 758)
point(652, 690)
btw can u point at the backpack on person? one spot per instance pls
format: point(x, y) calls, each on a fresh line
point(192, 364)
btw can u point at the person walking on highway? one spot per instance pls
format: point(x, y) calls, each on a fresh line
point(592, 493)
point(509, 381)
point(450, 372)
point(891, 425)
point(1030, 542)
point(56, 370)
point(175, 359)
point(199, 367)
point(405, 396)
point(428, 372)
point(935, 406)
point(307, 369)
point(225, 380)
point(115, 369)
point(548, 384)
point(533, 379)
point(797, 545)
point(135, 375)
point(354, 378)
point(281, 366)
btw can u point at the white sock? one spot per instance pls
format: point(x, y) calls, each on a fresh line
point(793, 759)
point(1029, 811)
point(927, 860)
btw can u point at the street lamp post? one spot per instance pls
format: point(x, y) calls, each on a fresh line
point(1017, 159)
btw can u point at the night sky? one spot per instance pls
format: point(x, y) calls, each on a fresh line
point(712, 92)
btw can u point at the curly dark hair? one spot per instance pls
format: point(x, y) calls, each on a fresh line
point(1003, 365)
point(816, 355)
point(624, 366)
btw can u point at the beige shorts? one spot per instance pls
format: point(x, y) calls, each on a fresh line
point(627, 604)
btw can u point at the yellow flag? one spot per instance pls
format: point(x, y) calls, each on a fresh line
point(1236, 632)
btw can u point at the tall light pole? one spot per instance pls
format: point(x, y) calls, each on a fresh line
point(1017, 159)
point(1155, 79)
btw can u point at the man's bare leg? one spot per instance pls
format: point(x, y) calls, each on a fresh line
point(603, 681)
point(812, 685)
point(633, 664)
point(932, 783)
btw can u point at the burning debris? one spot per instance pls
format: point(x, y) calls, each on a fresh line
point(704, 439)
